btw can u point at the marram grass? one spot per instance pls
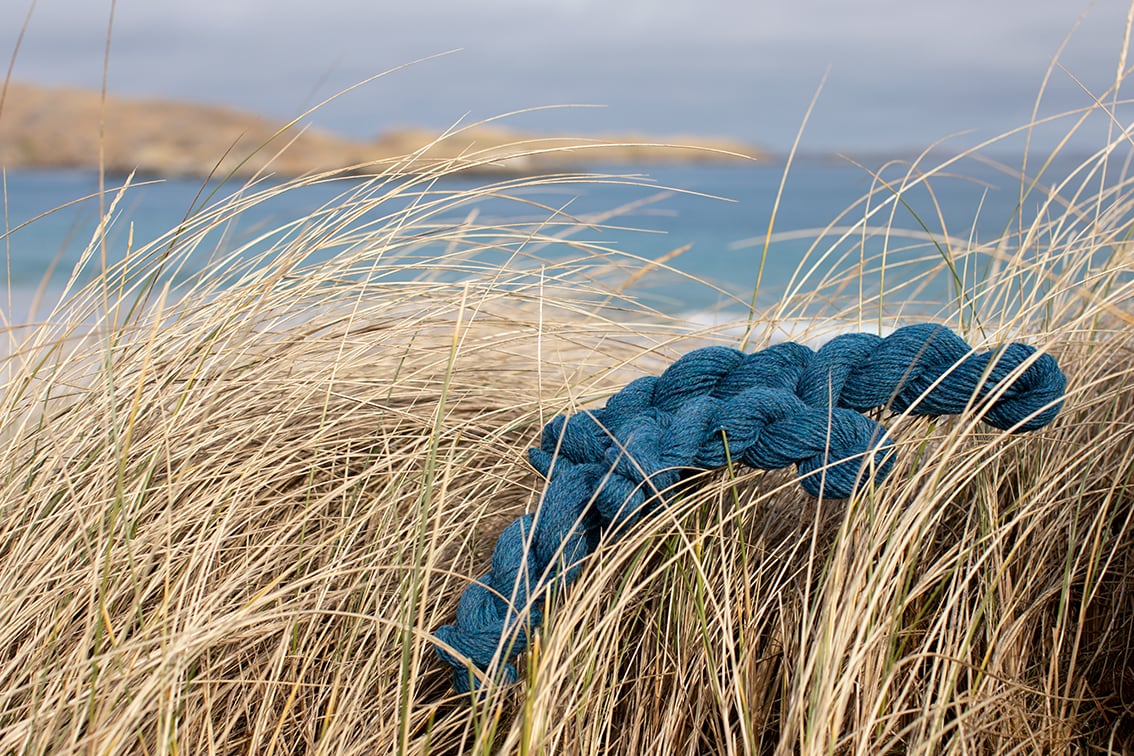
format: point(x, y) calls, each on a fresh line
point(234, 509)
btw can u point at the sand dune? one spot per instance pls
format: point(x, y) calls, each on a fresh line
point(42, 127)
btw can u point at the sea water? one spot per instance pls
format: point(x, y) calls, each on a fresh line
point(720, 229)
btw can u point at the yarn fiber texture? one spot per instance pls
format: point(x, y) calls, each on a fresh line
point(785, 405)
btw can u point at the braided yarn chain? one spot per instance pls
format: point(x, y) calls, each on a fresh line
point(786, 405)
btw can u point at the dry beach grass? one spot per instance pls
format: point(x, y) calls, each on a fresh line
point(234, 509)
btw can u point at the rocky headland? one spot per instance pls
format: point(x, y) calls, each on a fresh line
point(50, 127)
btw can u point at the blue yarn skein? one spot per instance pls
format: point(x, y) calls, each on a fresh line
point(771, 409)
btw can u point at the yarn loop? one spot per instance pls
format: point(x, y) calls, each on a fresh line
point(782, 406)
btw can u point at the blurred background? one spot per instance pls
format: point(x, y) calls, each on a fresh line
point(899, 75)
point(889, 78)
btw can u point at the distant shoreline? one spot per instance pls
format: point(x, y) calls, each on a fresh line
point(57, 127)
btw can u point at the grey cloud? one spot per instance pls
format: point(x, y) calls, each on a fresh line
point(898, 69)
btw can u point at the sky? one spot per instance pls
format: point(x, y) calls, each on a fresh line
point(896, 75)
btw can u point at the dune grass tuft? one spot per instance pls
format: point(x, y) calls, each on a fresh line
point(236, 503)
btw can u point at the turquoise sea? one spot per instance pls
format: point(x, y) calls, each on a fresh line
point(721, 212)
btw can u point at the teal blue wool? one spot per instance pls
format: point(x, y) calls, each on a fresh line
point(786, 405)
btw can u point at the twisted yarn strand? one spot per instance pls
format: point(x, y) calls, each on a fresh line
point(785, 405)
